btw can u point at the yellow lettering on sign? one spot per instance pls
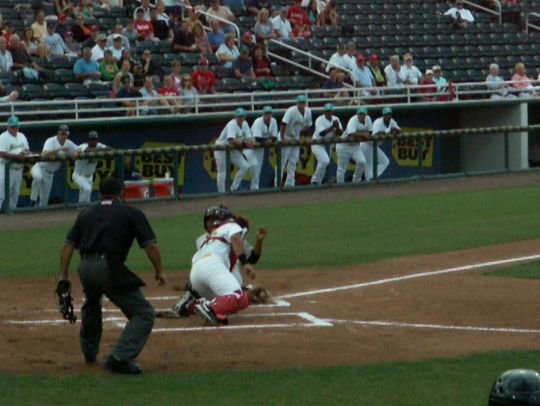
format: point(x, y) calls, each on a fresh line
point(406, 153)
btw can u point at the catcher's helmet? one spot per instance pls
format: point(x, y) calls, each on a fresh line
point(218, 215)
point(516, 387)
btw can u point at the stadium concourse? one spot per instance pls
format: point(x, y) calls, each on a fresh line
point(42, 55)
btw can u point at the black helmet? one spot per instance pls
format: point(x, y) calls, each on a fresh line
point(218, 215)
point(516, 387)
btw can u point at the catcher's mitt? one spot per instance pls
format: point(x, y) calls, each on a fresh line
point(258, 295)
point(65, 301)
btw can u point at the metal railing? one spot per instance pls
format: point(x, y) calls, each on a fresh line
point(177, 153)
point(528, 24)
point(214, 17)
point(497, 12)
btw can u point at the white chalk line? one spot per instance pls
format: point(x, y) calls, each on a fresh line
point(397, 324)
point(412, 276)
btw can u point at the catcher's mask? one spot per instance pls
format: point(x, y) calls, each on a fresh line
point(218, 215)
point(516, 387)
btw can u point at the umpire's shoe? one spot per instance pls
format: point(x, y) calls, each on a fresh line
point(122, 367)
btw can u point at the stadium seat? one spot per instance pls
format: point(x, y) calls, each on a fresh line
point(64, 75)
point(75, 90)
point(55, 90)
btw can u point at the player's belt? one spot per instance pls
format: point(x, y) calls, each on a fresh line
point(92, 256)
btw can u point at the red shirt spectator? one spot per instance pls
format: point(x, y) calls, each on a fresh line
point(297, 15)
point(203, 78)
point(143, 26)
point(168, 91)
point(429, 87)
point(261, 63)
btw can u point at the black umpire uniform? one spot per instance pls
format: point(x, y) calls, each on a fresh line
point(103, 234)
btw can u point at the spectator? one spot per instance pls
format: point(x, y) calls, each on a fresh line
point(261, 63)
point(522, 82)
point(496, 84)
point(441, 82)
point(394, 75)
point(176, 72)
point(171, 94)
point(428, 87)
point(161, 27)
point(263, 28)
point(149, 66)
point(363, 76)
point(81, 32)
point(72, 45)
point(99, 49)
point(222, 12)
point(228, 52)
point(193, 18)
point(85, 8)
point(54, 41)
point(128, 92)
point(39, 26)
point(254, 6)
point(329, 15)
point(117, 48)
point(6, 60)
point(461, 17)
point(86, 69)
point(350, 55)
point(335, 87)
point(203, 78)
point(151, 97)
point(201, 39)
point(138, 75)
point(126, 56)
point(282, 25)
point(125, 71)
point(130, 32)
point(243, 67)
point(216, 37)
point(63, 7)
point(297, 15)
point(313, 15)
point(411, 72)
point(162, 13)
point(92, 41)
point(32, 45)
point(188, 92)
point(22, 61)
point(61, 26)
point(146, 7)
point(143, 26)
point(174, 7)
point(117, 31)
point(377, 70)
point(238, 7)
point(108, 67)
point(340, 61)
point(248, 40)
point(184, 41)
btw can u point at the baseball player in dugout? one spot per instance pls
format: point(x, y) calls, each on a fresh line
point(103, 234)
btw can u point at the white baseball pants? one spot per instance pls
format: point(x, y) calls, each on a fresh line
point(210, 277)
point(255, 158)
point(41, 185)
point(289, 159)
point(15, 179)
point(345, 153)
point(238, 160)
point(382, 160)
point(85, 186)
point(323, 160)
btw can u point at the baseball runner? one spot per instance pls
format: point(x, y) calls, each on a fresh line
point(358, 128)
point(384, 125)
point(296, 121)
point(83, 174)
point(327, 127)
point(13, 146)
point(43, 172)
point(265, 131)
point(238, 134)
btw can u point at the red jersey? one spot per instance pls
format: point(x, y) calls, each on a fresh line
point(143, 27)
point(262, 67)
point(168, 91)
point(204, 82)
point(297, 15)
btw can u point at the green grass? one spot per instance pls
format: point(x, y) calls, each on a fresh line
point(530, 270)
point(460, 381)
point(324, 234)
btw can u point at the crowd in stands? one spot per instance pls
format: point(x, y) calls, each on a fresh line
point(123, 58)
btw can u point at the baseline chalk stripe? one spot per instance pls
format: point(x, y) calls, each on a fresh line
point(412, 276)
point(475, 329)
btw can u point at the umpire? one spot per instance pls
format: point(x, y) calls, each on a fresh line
point(104, 234)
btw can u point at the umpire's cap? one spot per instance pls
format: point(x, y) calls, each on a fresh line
point(111, 186)
point(13, 121)
point(516, 387)
point(63, 129)
point(93, 135)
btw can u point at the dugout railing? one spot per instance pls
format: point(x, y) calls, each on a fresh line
point(176, 153)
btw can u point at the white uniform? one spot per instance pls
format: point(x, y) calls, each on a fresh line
point(43, 172)
point(211, 265)
point(352, 150)
point(13, 145)
point(83, 174)
point(295, 122)
point(321, 151)
point(367, 148)
point(260, 130)
point(232, 131)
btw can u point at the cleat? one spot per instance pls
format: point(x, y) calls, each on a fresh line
point(122, 367)
point(208, 314)
point(89, 359)
point(181, 308)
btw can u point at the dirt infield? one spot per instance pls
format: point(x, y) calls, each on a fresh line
point(369, 313)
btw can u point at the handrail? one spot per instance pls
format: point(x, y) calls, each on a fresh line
point(299, 65)
point(528, 24)
point(214, 17)
point(315, 57)
point(497, 3)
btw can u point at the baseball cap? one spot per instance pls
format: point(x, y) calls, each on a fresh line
point(240, 112)
point(203, 61)
point(63, 129)
point(139, 10)
point(360, 58)
point(373, 57)
point(407, 57)
point(436, 67)
point(387, 110)
point(61, 17)
point(328, 107)
point(117, 36)
point(101, 37)
point(93, 135)
point(301, 99)
point(429, 72)
point(51, 24)
point(361, 110)
point(13, 121)
point(267, 109)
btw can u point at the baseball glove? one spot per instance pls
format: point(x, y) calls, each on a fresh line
point(258, 295)
point(65, 301)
